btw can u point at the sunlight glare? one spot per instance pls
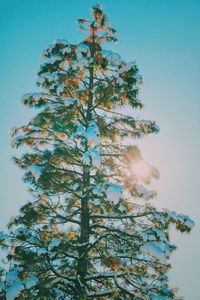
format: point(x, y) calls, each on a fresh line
point(141, 169)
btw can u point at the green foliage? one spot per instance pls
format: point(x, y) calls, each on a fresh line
point(90, 231)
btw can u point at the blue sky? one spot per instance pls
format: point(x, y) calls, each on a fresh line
point(164, 38)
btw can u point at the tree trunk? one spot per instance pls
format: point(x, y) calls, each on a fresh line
point(85, 217)
point(84, 238)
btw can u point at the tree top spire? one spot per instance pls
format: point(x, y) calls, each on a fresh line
point(98, 28)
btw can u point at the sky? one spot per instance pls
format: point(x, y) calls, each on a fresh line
point(164, 38)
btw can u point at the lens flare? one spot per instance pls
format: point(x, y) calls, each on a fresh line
point(141, 169)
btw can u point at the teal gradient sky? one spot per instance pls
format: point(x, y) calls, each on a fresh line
point(164, 38)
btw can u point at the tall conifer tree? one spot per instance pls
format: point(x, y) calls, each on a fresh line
point(90, 231)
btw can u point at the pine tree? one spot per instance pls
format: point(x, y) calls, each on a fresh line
point(90, 231)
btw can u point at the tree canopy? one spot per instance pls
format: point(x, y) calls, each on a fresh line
point(90, 230)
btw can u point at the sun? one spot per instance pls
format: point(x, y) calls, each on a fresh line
point(141, 169)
